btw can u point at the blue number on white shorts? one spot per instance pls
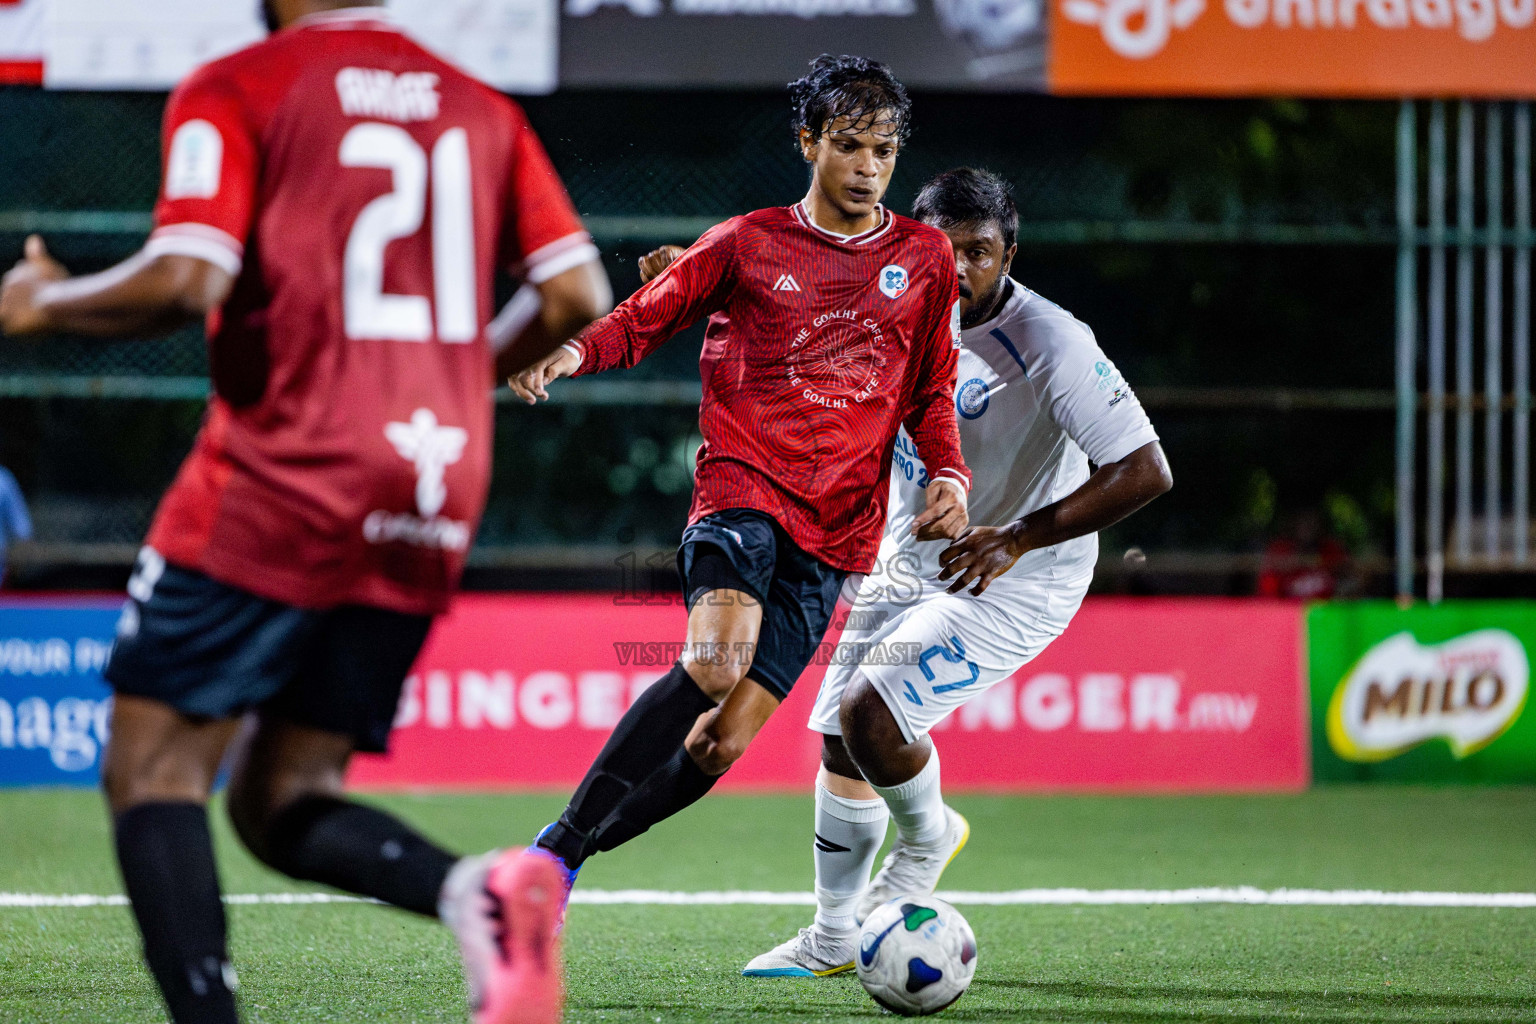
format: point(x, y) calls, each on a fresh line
point(954, 657)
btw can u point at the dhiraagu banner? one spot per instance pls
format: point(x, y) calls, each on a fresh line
point(1423, 694)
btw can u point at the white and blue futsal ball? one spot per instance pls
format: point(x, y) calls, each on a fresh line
point(916, 955)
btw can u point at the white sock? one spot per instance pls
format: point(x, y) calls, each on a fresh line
point(917, 805)
point(848, 835)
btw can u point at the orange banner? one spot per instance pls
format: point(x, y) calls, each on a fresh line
point(1369, 48)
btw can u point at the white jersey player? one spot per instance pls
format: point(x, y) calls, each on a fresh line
point(1039, 405)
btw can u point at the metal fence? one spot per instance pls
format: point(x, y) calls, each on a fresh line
point(1235, 257)
point(1486, 218)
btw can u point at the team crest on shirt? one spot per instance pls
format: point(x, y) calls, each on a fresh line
point(893, 281)
point(972, 399)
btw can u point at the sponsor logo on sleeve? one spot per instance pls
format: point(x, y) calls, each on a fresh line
point(1108, 380)
point(1466, 691)
point(893, 281)
point(196, 160)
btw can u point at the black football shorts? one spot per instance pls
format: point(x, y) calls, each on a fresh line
point(211, 650)
point(746, 550)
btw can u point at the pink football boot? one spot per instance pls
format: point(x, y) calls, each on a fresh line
point(504, 907)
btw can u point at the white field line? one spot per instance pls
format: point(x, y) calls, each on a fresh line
point(1017, 897)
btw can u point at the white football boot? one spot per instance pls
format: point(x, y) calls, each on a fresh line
point(915, 870)
point(811, 954)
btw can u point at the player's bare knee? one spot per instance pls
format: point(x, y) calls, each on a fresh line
point(168, 775)
point(117, 785)
point(715, 753)
point(715, 676)
point(869, 728)
point(836, 759)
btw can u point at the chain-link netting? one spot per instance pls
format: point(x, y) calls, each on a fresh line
point(645, 166)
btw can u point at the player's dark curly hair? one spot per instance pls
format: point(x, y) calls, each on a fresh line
point(968, 196)
point(860, 90)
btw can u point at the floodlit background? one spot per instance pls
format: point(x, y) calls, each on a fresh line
point(1281, 765)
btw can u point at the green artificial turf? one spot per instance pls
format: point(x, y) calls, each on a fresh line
point(1123, 964)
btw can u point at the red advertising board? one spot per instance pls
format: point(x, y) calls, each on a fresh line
point(1139, 695)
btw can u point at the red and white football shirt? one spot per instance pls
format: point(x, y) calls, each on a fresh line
point(819, 348)
point(363, 191)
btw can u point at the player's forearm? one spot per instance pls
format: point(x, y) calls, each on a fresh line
point(937, 440)
point(617, 341)
point(142, 294)
point(1113, 492)
point(541, 317)
point(573, 299)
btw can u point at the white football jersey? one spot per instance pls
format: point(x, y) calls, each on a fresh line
point(1037, 401)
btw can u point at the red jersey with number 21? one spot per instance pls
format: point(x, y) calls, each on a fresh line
point(363, 191)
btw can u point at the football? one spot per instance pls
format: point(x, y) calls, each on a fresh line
point(917, 955)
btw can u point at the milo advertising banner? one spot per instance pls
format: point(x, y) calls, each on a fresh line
point(1423, 694)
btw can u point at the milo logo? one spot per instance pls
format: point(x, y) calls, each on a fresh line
point(1466, 691)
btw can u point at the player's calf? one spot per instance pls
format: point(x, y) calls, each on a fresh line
point(157, 773)
point(717, 740)
point(287, 805)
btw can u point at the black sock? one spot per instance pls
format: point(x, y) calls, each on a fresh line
point(359, 849)
point(646, 738)
point(166, 856)
point(672, 787)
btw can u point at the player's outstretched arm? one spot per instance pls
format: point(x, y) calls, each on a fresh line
point(143, 294)
point(698, 283)
point(1113, 492)
point(531, 384)
point(543, 316)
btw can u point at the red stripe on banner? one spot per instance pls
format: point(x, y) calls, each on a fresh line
point(1138, 695)
point(21, 72)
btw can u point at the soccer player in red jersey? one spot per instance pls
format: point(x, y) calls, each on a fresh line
point(832, 323)
point(336, 201)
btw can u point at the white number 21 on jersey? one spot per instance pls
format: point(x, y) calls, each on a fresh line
point(372, 315)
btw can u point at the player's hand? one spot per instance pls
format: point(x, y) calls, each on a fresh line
point(530, 384)
point(20, 312)
point(657, 260)
point(945, 516)
point(980, 557)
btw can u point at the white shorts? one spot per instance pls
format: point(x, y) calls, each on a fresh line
point(930, 651)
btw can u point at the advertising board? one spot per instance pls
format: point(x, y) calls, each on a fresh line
point(521, 690)
point(1423, 694)
point(54, 707)
point(153, 44)
point(944, 44)
point(1367, 48)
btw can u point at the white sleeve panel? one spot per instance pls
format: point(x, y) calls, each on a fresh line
point(1086, 396)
